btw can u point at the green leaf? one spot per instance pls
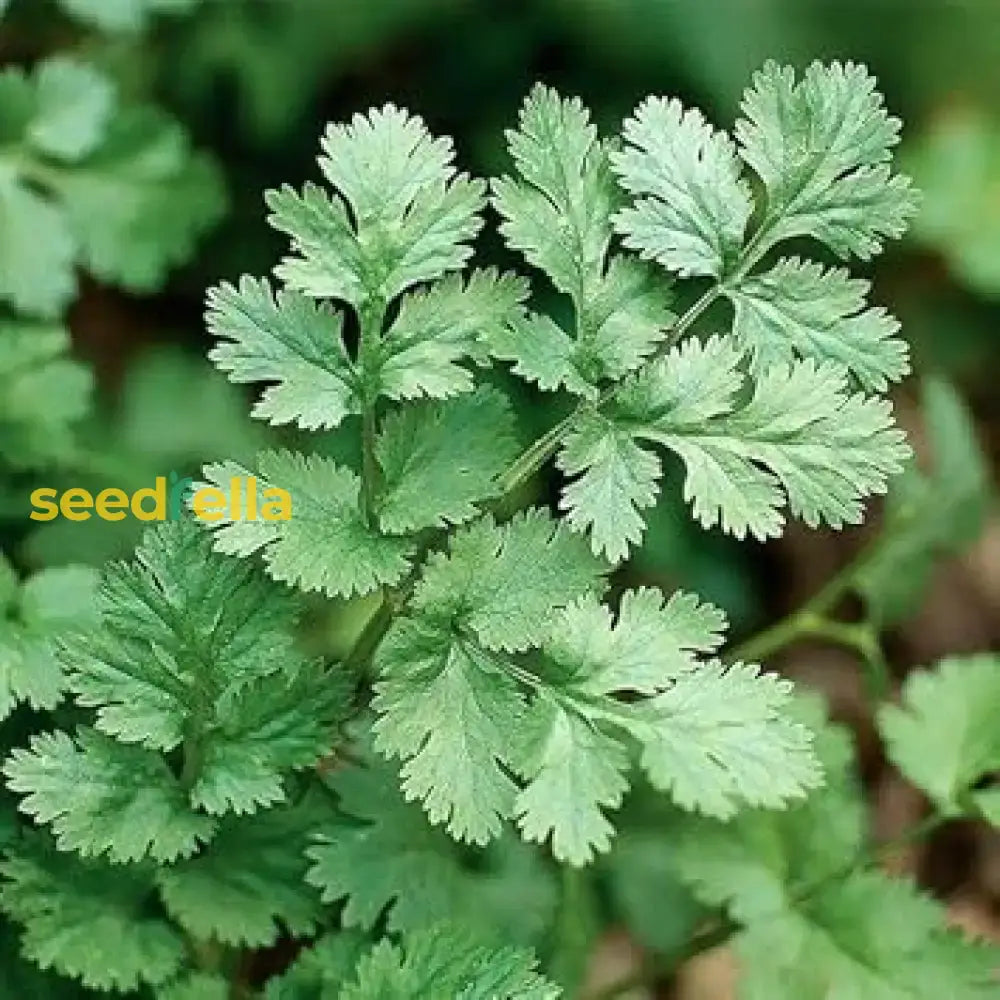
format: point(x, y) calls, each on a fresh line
point(450, 962)
point(943, 736)
point(195, 986)
point(196, 648)
point(692, 206)
point(34, 616)
point(326, 544)
point(40, 282)
point(506, 583)
point(140, 202)
point(822, 147)
point(123, 15)
point(439, 459)
point(43, 393)
point(720, 738)
point(801, 439)
point(248, 883)
point(382, 857)
point(930, 514)
point(287, 340)
point(799, 309)
point(103, 797)
point(81, 923)
point(441, 326)
point(449, 713)
point(73, 109)
point(412, 214)
point(558, 214)
point(320, 970)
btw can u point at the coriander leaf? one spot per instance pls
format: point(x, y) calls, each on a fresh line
point(573, 771)
point(43, 393)
point(929, 514)
point(73, 108)
point(382, 856)
point(34, 616)
point(802, 438)
point(123, 15)
point(439, 459)
point(290, 341)
point(448, 712)
point(103, 797)
point(943, 736)
point(326, 544)
point(248, 883)
point(505, 583)
point(448, 961)
point(720, 737)
point(822, 146)
point(439, 327)
point(614, 481)
point(799, 309)
point(182, 631)
point(78, 921)
point(558, 214)
point(40, 282)
point(320, 970)
point(692, 206)
point(138, 205)
point(413, 215)
point(195, 986)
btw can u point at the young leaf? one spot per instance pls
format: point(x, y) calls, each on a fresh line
point(34, 616)
point(822, 147)
point(692, 206)
point(505, 583)
point(799, 309)
point(451, 962)
point(558, 214)
point(929, 515)
point(287, 340)
point(802, 439)
point(439, 459)
point(80, 922)
point(944, 736)
point(249, 882)
point(413, 215)
point(325, 544)
point(103, 797)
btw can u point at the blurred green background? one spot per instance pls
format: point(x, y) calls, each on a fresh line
point(255, 81)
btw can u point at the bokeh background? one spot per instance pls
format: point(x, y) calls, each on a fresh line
point(254, 82)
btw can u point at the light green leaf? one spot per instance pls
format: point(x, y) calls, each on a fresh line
point(103, 797)
point(320, 970)
point(439, 459)
point(822, 146)
point(249, 883)
point(692, 206)
point(326, 544)
point(123, 15)
point(944, 736)
point(34, 616)
point(289, 341)
point(449, 961)
point(74, 105)
point(413, 215)
point(930, 514)
point(798, 309)
point(82, 923)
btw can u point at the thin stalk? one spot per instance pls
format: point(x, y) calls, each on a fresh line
point(372, 316)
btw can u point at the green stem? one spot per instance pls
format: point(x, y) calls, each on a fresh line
point(371, 317)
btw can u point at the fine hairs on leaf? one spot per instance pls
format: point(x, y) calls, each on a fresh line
point(522, 725)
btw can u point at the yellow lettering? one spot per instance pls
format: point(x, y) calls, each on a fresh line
point(209, 503)
point(111, 500)
point(43, 500)
point(159, 495)
point(75, 504)
point(277, 505)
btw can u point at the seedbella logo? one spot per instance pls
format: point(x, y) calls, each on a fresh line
point(166, 500)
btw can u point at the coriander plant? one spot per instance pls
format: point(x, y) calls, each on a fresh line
point(518, 745)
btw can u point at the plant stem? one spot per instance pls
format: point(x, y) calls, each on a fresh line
point(372, 316)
